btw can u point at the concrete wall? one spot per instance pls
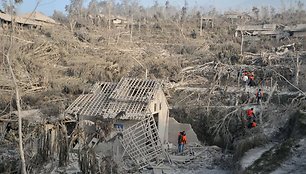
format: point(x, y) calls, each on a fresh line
point(176, 127)
point(159, 105)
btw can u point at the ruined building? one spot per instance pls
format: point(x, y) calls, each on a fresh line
point(139, 113)
point(132, 99)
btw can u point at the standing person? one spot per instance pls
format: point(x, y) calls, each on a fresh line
point(259, 96)
point(245, 79)
point(184, 140)
point(251, 80)
point(261, 82)
point(251, 116)
point(179, 140)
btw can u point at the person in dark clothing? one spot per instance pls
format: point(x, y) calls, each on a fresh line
point(193, 34)
point(259, 96)
point(179, 140)
point(251, 80)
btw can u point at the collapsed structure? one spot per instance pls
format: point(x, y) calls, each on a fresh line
point(139, 111)
point(274, 30)
point(30, 20)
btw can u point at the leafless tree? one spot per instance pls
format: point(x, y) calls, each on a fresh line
point(74, 10)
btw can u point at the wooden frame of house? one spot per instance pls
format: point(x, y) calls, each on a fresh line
point(132, 99)
point(236, 16)
point(253, 32)
point(208, 21)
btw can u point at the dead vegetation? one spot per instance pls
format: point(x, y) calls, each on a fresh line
point(55, 64)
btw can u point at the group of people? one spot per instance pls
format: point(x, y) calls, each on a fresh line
point(248, 78)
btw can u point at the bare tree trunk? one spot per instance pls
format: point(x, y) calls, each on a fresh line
point(109, 20)
point(298, 63)
point(24, 171)
point(131, 32)
point(72, 25)
point(201, 25)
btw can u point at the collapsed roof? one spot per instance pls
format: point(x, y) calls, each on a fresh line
point(38, 16)
point(130, 97)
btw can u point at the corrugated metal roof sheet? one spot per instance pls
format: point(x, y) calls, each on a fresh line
point(131, 96)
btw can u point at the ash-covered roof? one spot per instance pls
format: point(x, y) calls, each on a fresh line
point(129, 96)
point(38, 16)
point(265, 27)
point(296, 28)
point(18, 19)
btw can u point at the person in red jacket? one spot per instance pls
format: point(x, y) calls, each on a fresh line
point(250, 116)
point(250, 113)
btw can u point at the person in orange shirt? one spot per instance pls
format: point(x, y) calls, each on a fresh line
point(250, 116)
point(184, 140)
point(250, 113)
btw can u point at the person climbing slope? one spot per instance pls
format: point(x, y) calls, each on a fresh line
point(250, 116)
point(259, 95)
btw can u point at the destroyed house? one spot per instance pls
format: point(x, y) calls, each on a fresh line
point(30, 20)
point(298, 30)
point(6, 20)
point(132, 100)
point(237, 15)
point(266, 29)
point(39, 17)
